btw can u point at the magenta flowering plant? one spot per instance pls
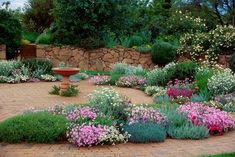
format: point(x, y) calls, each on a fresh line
point(146, 114)
point(179, 88)
point(81, 114)
point(215, 120)
point(130, 81)
point(100, 79)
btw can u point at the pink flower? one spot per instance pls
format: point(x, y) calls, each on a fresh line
point(215, 119)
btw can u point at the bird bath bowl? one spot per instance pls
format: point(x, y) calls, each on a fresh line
point(65, 72)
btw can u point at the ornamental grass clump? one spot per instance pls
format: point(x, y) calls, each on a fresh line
point(222, 83)
point(110, 103)
point(100, 79)
point(145, 132)
point(215, 120)
point(142, 114)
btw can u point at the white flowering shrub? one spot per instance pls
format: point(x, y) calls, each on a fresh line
point(113, 136)
point(151, 90)
point(209, 45)
point(185, 22)
point(109, 102)
point(222, 83)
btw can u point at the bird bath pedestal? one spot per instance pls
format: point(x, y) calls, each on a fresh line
point(65, 72)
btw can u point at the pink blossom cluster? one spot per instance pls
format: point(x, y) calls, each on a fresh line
point(86, 135)
point(100, 79)
point(179, 88)
point(215, 119)
point(130, 81)
point(176, 92)
point(143, 114)
point(85, 112)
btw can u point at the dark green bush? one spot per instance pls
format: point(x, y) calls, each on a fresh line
point(145, 132)
point(39, 67)
point(232, 62)
point(163, 52)
point(11, 32)
point(136, 40)
point(186, 69)
point(40, 127)
point(188, 131)
point(85, 22)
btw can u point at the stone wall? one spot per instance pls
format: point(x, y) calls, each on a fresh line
point(98, 59)
point(2, 52)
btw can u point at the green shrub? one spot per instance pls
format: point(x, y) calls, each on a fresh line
point(109, 102)
point(7, 67)
point(232, 62)
point(163, 52)
point(71, 91)
point(11, 32)
point(160, 76)
point(110, 40)
point(188, 131)
point(30, 36)
point(186, 69)
point(145, 132)
point(40, 127)
point(136, 40)
point(144, 49)
point(44, 38)
point(202, 76)
point(114, 78)
point(55, 90)
point(38, 67)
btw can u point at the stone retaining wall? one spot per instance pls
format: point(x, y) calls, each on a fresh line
point(98, 59)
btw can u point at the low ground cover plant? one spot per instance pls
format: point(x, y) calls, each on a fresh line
point(40, 127)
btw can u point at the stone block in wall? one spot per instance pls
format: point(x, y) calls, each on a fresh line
point(2, 52)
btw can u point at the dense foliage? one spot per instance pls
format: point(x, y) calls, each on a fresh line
point(37, 15)
point(73, 27)
point(11, 32)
